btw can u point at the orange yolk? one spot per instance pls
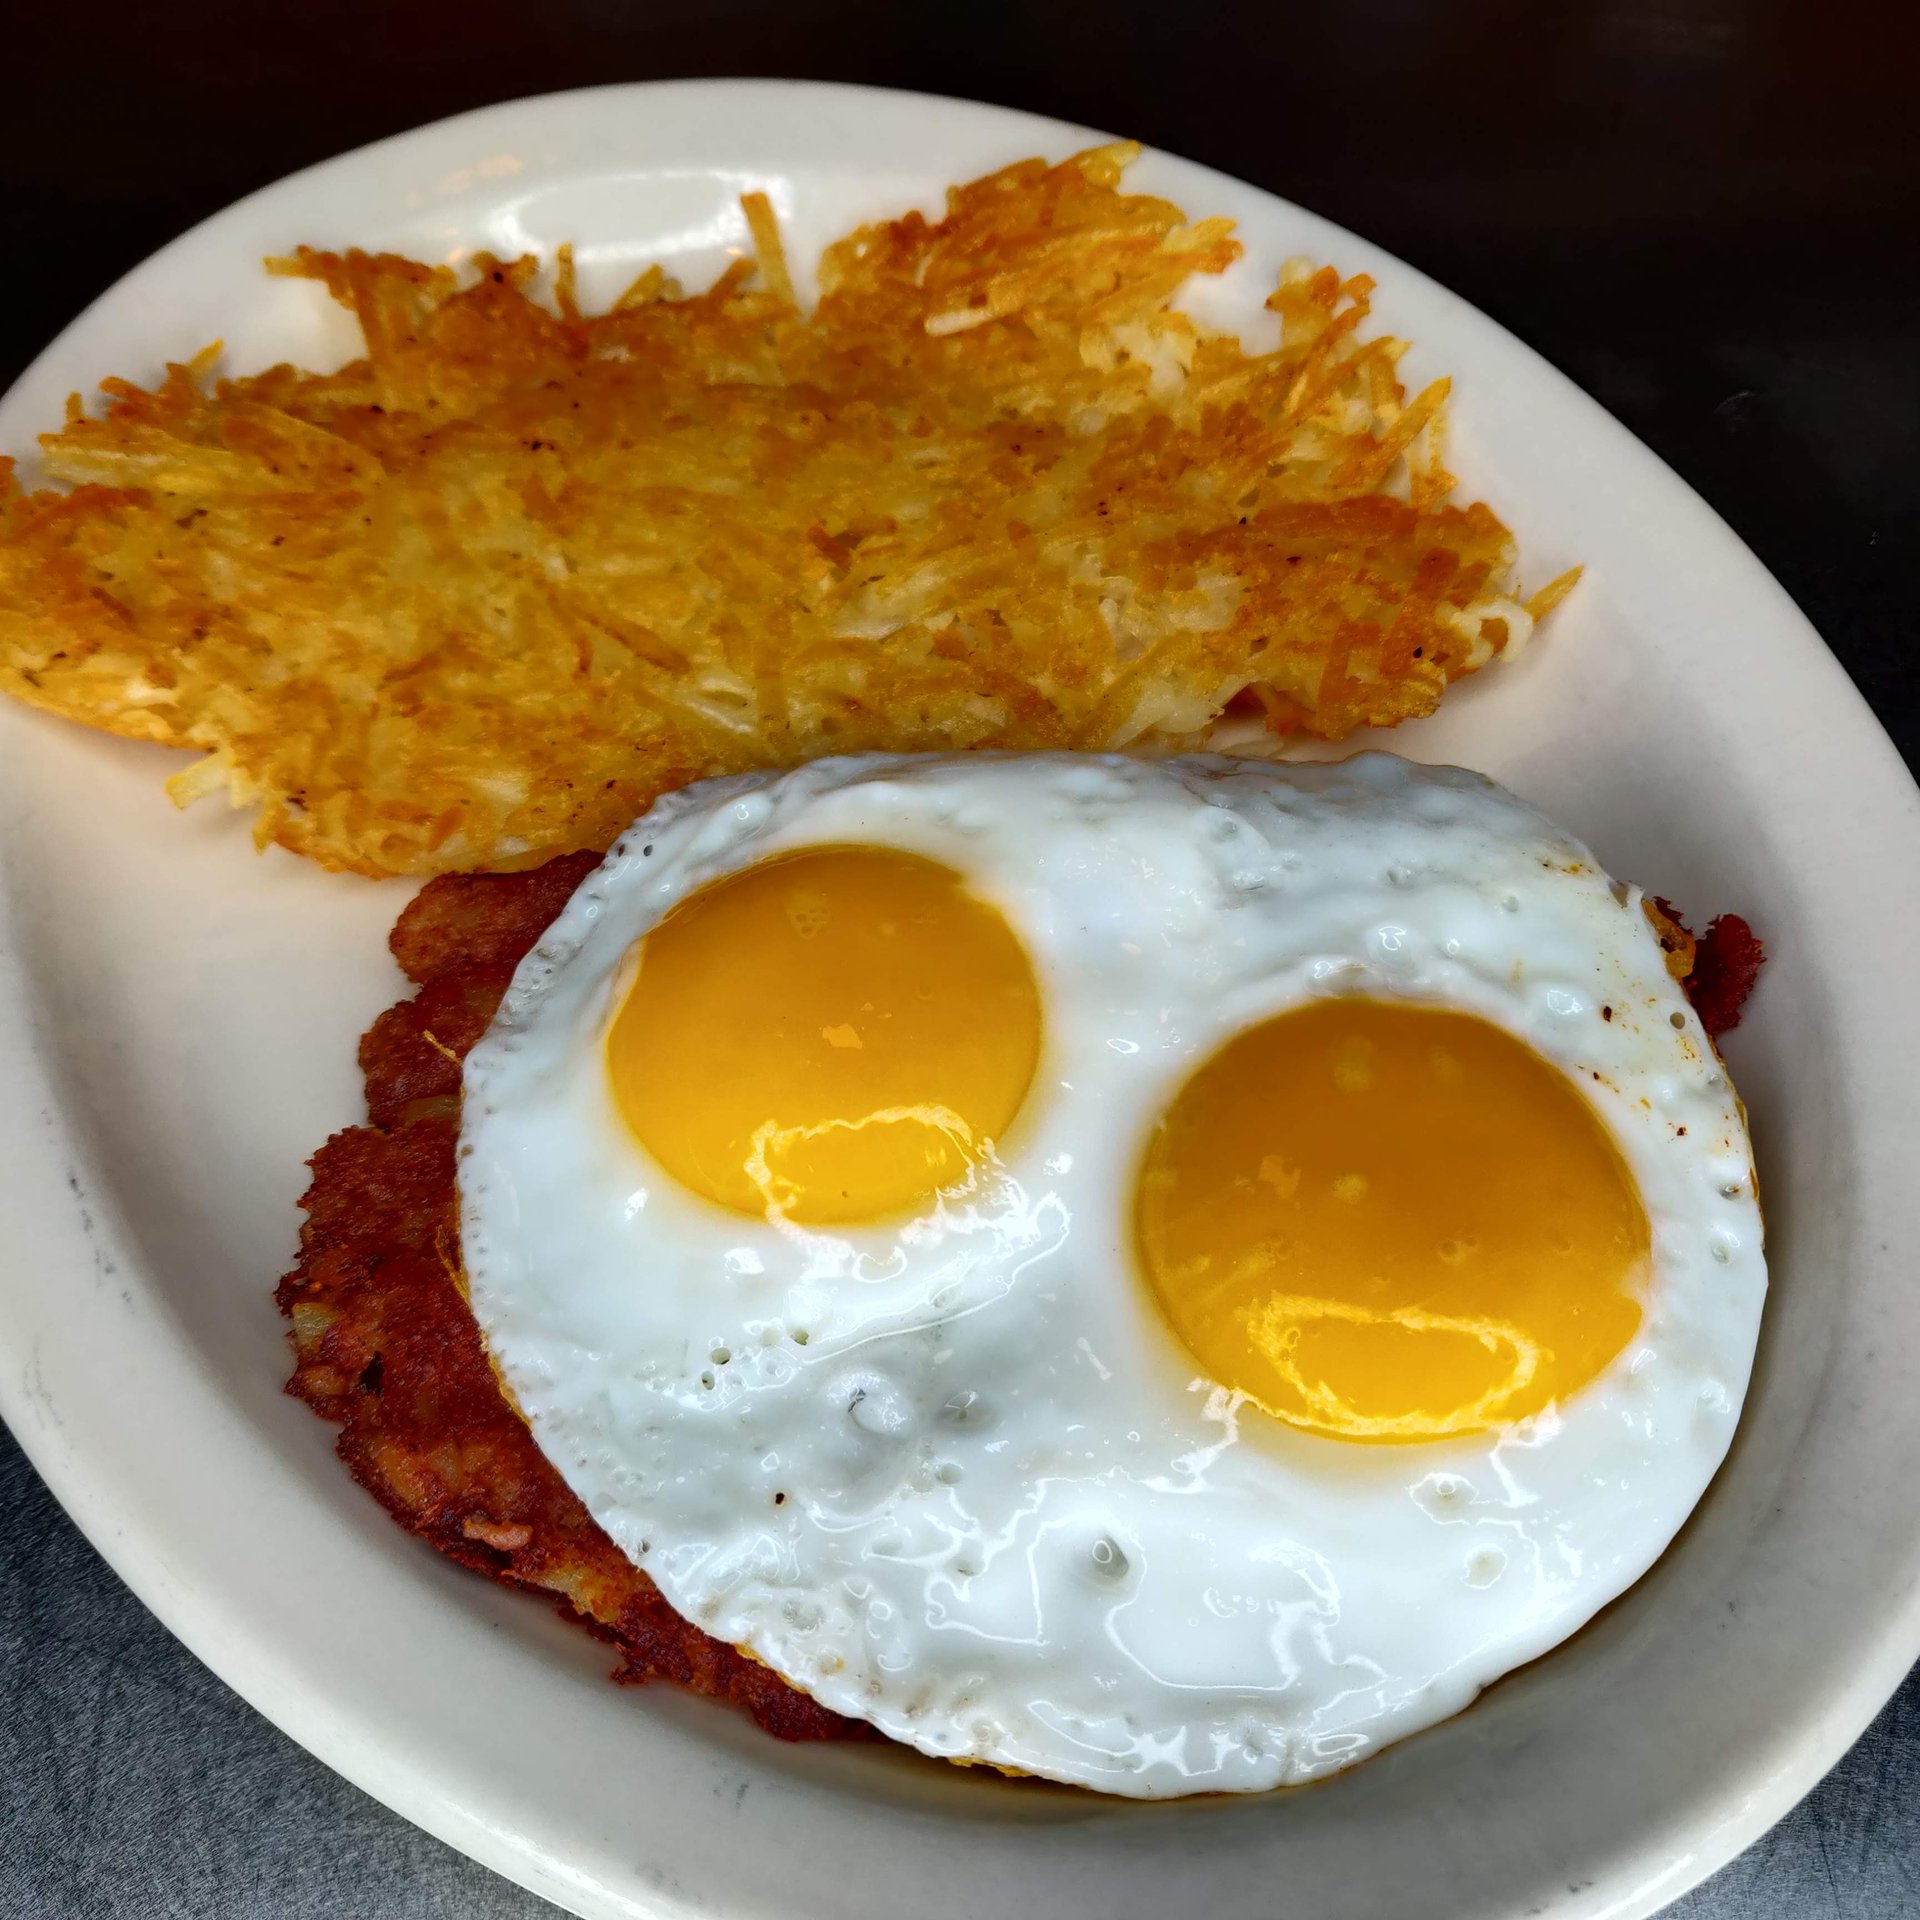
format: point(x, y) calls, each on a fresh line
point(1385, 1223)
point(833, 1035)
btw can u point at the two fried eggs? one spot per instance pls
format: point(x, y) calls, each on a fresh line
point(1163, 1275)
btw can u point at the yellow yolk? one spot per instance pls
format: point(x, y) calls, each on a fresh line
point(1386, 1223)
point(833, 1035)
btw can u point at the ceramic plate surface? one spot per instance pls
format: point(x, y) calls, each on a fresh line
point(177, 1028)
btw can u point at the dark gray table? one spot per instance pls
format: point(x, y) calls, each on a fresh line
point(1703, 210)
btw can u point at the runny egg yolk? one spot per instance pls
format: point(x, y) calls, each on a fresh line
point(1389, 1223)
point(833, 1035)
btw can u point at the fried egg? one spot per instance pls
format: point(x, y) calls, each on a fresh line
point(1163, 1275)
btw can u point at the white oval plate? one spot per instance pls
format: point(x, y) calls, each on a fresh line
point(177, 1027)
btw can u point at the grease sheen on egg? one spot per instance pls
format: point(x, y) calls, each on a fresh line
point(964, 1467)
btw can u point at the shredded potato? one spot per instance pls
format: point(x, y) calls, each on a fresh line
point(481, 596)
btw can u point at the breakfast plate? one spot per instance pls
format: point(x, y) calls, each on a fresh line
point(177, 1026)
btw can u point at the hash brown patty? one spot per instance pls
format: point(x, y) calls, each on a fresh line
point(485, 593)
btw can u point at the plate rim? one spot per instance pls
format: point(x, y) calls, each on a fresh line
point(77, 1235)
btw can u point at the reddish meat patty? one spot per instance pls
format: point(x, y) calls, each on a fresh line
point(386, 1346)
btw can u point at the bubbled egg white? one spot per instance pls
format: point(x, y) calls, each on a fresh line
point(955, 1475)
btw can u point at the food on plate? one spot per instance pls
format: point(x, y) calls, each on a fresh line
point(1164, 1435)
point(385, 1344)
point(1718, 969)
point(482, 596)
point(1166, 1274)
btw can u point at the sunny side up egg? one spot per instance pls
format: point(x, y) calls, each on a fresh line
point(1165, 1275)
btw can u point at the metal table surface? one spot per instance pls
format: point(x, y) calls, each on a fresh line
point(1702, 210)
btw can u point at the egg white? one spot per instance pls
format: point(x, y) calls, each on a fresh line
point(956, 1476)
